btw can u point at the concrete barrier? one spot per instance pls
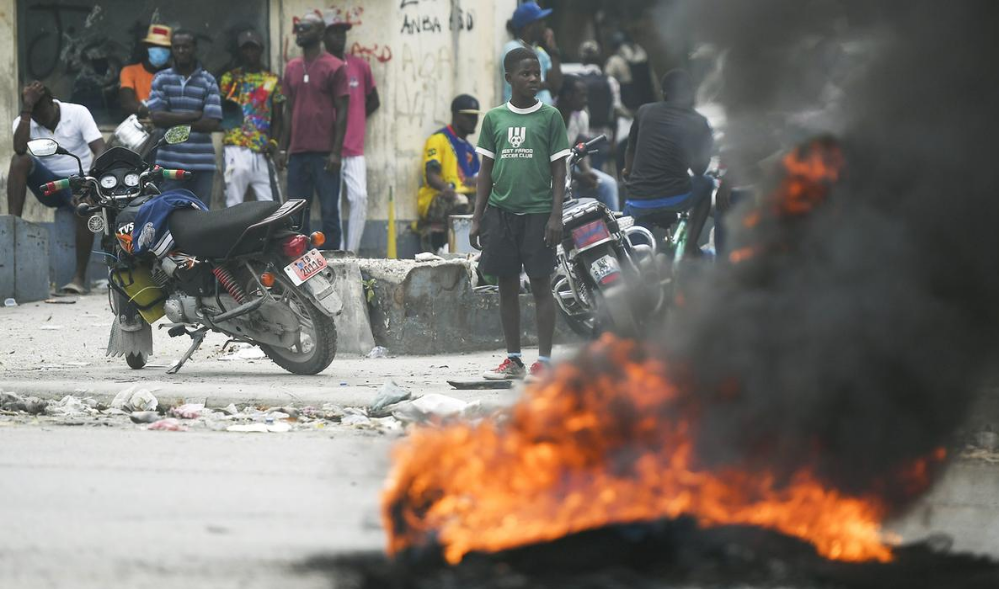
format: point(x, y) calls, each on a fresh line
point(431, 308)
point(24, 262)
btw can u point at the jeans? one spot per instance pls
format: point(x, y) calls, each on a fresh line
point(605, 192)
point(307, 176)
point(200, 184)
point(697, 201)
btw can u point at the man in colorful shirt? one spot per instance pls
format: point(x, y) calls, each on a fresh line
point(363, 102)
point(187, 95)
point(246, 148)
point(450, 171)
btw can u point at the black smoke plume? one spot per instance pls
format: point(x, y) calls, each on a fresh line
point(859, 346)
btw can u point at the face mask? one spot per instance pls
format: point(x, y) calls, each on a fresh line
point(158, 56)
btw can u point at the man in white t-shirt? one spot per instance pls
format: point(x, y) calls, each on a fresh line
point(73, 127)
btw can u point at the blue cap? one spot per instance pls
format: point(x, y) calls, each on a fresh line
point(527, 13)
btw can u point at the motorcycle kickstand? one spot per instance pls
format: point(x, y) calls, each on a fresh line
point(198, 337)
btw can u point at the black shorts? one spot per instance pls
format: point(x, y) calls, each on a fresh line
point(511, 241)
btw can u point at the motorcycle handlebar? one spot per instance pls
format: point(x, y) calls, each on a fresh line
point(50, 188)
point(176, 174)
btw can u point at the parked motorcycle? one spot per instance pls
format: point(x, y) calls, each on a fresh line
point(244, 271)
point(606, 278)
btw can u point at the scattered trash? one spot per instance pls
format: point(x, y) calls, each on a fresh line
point(427, 257)
point(389, 394)
point(355, 420)
point(54, 302)
point(50, 327)
point(987, 440)
point(143, 416)
point(9, 303)
point(260, 428)
point(428, 407)
point(15, 402)
point(378, 352)
point(472, 385)
point(170, 424)
point(188, 410)
point(133, 400)
point(289, 412)
point(250, 353)
point(70, 405)
point(343, 383)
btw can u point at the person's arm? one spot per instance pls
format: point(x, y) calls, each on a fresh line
point(702, 155)
point(553, 80)
point(341, 102)
point(211, 113)
point(30, 96)
point(130, 103)
point(553, 231)
point(629, 154)
point(159, 111)
point(372, 102)
point(483, 188)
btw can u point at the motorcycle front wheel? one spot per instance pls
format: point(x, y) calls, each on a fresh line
point(316, 345)
point(135, 361)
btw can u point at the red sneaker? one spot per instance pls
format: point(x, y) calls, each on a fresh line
point(538, 371)
point(510, 369)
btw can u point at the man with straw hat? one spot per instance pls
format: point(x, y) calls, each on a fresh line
point(137, 79)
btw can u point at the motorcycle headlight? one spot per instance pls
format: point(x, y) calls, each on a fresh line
point(132, 180)
point(109, 181)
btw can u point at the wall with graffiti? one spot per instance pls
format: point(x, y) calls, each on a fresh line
point(422, 53)
point(78, 47)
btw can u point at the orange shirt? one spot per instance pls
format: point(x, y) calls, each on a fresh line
point(138, 78)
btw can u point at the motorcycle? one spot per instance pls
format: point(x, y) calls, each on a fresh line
point(607, 277)
point(245, 271)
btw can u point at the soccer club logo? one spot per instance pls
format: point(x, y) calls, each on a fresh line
point(515, 136)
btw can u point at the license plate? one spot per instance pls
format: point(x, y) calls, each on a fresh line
point(590, 233)
point(305, 267)
point(605, 270)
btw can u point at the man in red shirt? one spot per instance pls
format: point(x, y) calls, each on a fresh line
point(363, 102)
point(316, 112)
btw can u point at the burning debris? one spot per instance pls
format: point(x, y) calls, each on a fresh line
point(808, 389)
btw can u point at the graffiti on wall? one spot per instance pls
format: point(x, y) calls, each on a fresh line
point(376, 52)
point(414, 23)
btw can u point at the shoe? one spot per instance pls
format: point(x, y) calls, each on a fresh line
point(510, 369)
point(538, 372)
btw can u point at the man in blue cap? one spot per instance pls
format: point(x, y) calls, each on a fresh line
point(529, 31)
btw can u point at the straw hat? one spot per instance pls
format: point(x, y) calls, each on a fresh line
point(158, 35)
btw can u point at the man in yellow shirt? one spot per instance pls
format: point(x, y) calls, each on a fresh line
point(137, 79)
point(450, 169)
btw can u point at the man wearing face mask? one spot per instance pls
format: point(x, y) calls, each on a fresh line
point(137, 79)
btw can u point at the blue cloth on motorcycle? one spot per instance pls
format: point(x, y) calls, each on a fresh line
point(152, 231)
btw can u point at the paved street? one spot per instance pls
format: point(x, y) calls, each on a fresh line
point(104, 502)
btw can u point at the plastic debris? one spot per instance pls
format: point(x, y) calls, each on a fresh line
point(188, 410)
point(9, 303)
point(389, 394)
point(134, 400)
point(70, 405)
point(427, 257)
point(230, 409)
point(142, 416)
point(378, 352)
point(170, 424)
point(250, 353)
point(355, 420)
point(260, 428)
point(428, 408)
point(15, 402)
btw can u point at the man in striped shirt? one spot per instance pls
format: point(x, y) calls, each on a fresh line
point(187, 95)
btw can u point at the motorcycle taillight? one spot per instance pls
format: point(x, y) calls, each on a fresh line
point(590, 233)
point(295, 246)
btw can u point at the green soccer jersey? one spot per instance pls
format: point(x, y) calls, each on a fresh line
point(523, 142)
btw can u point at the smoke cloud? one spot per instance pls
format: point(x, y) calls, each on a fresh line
point(860, 345)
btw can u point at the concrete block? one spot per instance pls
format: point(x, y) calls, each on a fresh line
point(430, 308)
point(353, 325)
point(24, 267)
point(62, 251)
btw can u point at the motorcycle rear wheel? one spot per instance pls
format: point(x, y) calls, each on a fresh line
point(135, 361)
point(316, 349)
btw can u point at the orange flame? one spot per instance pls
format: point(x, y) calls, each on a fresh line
point(592, 448)
point(810, 169)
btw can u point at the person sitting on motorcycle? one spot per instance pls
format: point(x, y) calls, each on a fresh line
point(572, 101)
point(669, 149)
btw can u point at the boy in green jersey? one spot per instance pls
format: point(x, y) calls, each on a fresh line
point(518, 206)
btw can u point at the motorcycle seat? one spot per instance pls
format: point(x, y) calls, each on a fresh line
point(211, 234)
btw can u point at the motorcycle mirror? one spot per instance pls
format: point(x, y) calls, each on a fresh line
point(43, 147)
point(177, 135)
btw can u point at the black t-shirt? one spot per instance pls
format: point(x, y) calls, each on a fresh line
point(668, 140)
